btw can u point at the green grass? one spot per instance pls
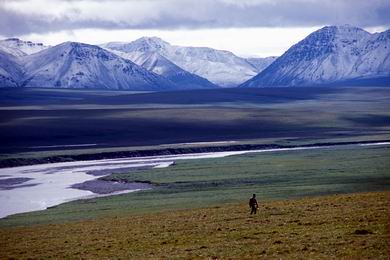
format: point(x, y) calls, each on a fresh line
point(214, 182)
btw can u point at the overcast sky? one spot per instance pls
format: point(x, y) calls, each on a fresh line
point(246, 27)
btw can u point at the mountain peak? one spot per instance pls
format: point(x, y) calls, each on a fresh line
point(77, 45)
point(149, 44)
point(153, 39)
point(143, 44)
point(330, 39)
point(344, 27)
point(19, 47)
point(345, 30)
point(18, 41)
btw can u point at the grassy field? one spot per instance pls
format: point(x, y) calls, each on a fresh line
point(123, 119)
point(213, 182)
point(354, 226)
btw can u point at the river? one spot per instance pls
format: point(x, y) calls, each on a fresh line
point(37, 187)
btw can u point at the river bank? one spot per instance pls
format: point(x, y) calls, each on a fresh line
point(15, 162)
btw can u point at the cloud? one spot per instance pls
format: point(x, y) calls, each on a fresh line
point(18, 17)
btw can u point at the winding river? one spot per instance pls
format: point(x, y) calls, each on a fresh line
point(37, 187)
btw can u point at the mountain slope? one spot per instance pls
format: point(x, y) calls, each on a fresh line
point(261, 63)
point(220, 67)
point(158, 64)
point(10, 70)
point(78, 65)
point(20, 48)
point(329, 55)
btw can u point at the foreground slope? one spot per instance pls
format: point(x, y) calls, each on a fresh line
point(220, 67)
point(78, 65)
point(351, 226)
point(330, 55)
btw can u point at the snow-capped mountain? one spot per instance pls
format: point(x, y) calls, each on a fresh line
point(10, 70)
point(330, 55)
point(155, 62)
point(220, 67)
point(78, 65)
point(20, 48)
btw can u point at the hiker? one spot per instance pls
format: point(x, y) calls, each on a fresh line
point(253, 204)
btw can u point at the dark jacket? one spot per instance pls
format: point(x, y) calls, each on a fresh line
point(253, 202)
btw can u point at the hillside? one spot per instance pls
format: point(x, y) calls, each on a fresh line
point(340, 226)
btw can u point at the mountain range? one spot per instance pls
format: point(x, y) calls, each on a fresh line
point(329, 56)
point(222, 68)
point(131, 66)
point(73, 65)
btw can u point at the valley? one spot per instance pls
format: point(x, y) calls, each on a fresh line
point(39, 120)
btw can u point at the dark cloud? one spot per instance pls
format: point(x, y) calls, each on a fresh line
point(22, 17)
point(13, 23)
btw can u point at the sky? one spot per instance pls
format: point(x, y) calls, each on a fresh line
point(246, 27)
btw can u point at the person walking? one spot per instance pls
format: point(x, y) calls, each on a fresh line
point(253, 204)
